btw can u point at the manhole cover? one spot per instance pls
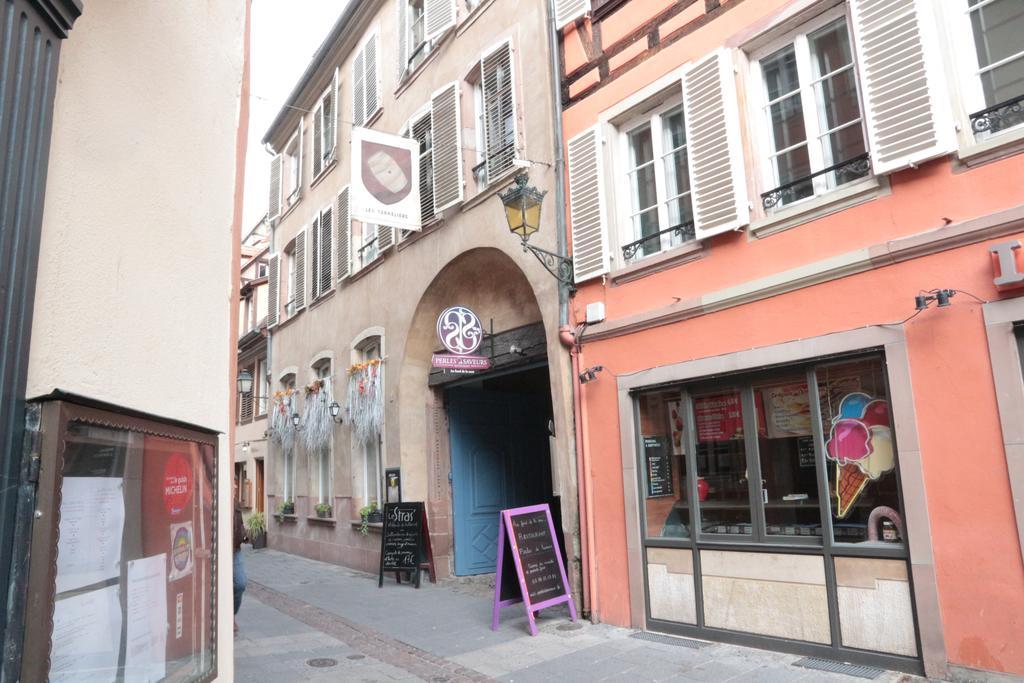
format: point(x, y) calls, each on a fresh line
point(570, 627)
point(322, 662)
point(354, 657)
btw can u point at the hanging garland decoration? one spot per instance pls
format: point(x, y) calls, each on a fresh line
point(317, 422)
point(282, 431)
point(366, 398)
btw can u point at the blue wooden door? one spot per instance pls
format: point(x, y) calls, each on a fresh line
point(499, 460)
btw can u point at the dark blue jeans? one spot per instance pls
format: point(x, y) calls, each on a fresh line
point(239, 576)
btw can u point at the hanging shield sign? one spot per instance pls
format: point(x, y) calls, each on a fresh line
point(385, 179)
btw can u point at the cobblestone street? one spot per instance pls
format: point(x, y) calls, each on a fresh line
point(303, 620)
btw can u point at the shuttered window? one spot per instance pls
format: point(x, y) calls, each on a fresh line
point(438, 17)
point(273, 289)
point(446, 148)
point(567, 11)
point(810, 123)
point(366, 82)
point(905, 102)
point(326, 251)
point(299, 272)
point(291, 169)
point(325, 129)
point(499, 111)
point(343, 234)
point(586, 205)
point(314, 259)
point(274, 203)
point(718, 188)
point(420, 130)
point(993, 63)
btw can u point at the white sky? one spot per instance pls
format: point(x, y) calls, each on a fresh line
point(285, 34)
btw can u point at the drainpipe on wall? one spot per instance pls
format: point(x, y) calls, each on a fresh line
point(567, 337)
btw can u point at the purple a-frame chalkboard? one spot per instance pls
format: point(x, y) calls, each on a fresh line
point(533, 546)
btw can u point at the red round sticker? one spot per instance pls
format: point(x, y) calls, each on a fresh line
point(177, 483)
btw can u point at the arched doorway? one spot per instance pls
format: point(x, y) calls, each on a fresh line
point(488, 432)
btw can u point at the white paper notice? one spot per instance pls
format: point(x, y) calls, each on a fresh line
point(146, 653)
point(86, 637)
point(91, 523)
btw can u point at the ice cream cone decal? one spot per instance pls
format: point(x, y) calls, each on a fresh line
point(850, 483)
point(860, 444)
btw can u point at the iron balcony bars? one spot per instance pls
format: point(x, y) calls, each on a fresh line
point(855, 167)
point(684, 230)
point(1006, 114)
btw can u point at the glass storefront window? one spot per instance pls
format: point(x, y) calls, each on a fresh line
point(666, 507)
point(722, 474)
point(763, 483)
point(860, 452)
point(785, 442)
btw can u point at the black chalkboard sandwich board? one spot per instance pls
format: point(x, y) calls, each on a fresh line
point(405, 542)
point(529, 534)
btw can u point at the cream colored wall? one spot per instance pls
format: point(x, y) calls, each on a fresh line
point(133, 297)
point(389, 294)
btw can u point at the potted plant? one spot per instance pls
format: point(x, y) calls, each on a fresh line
point(369, 514)
point(285, 507)
point(323, 510)
point(257, 526)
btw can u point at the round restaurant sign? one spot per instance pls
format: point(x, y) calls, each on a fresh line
point(460, 330)
point(177, 483)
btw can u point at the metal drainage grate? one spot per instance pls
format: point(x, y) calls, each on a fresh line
point(356, 657)
point(669, 640)
point(858, 670)
point(322, 662)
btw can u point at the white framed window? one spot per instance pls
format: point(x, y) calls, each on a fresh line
point(321, 253)
point(291, 173)
point(419, 46)
point(480, 166)
point(291, 277)
point(371, 448)
point(322, 472)
point(655, 177)
point(366, 243)
point(420, 130)
point(809, 121)
point(261, 387)
point(288, 459)
point(325, 129)
point(991, 55)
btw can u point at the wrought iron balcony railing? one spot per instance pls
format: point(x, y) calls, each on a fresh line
point(852, 168)
point(684, 230)
point(1006, 114)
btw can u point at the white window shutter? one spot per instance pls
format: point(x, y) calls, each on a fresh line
point(314, 259)
point(318, 156)
point(273, 288)
point(446, 138)
point(900, 69)
point(274, 205)
point(334, 112)
point(403, 37)
point(568, 11)
point(438, 17)
point(717, 180)
point(372, 78)
point(499, 111)
point(385, 238)
point(359, 89)
point(343, 222)
point(586, 205)
point(326, 248)
point(300, 269)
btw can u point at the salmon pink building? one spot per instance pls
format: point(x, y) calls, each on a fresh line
point(796, 229)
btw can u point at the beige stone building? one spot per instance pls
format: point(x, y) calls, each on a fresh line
point(358, 303)
point(250, 443)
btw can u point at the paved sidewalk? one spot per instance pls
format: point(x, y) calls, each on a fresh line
point(303, 620)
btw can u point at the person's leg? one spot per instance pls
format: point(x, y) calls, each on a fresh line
point(239, 579)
